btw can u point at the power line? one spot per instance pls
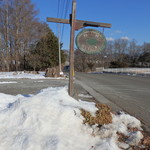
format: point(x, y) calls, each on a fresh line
point(65, 15)
point(67, 8)
point(62, 11)
point(58, 8)
point(63, 8)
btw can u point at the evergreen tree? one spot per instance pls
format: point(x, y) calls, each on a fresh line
point(47, 52)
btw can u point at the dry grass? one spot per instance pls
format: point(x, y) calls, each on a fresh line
point(102, 115)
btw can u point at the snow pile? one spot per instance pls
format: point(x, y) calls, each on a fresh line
point(6, 99)
point(51, 120)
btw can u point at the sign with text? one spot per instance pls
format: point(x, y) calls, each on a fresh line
point(91, 41)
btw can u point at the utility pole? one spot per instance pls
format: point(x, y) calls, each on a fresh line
point(60, 71)
point(75, 25)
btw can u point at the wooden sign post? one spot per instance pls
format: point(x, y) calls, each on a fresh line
point(75, 25)
point(71, 54)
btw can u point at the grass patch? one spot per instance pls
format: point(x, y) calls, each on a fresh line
point(102, 115)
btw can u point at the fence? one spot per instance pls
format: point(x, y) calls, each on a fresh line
point(142, 71)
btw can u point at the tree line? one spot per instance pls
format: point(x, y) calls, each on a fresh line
point(29, 44)
point(118, 53)
point(25, 42)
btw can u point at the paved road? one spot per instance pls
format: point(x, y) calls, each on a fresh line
point(132, 94)
point(29, 86)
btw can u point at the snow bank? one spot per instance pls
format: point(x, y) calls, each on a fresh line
point(7, 99)
point(19, 75)
point(51, 120)
point(22, 74)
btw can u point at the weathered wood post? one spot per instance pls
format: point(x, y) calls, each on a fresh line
point(71, 55)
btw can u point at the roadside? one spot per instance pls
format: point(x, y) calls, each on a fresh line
point(86, 93)
point(97, 97)
point(30, 86)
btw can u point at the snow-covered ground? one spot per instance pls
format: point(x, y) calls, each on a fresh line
point(18, 75)
point(51, 120)
point(85, 96)
point(22, 74)
point(7, 82)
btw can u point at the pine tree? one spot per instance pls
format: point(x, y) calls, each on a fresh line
point(47, 51)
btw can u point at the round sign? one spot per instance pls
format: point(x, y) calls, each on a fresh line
point(90, 41)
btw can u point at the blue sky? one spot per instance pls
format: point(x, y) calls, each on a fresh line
point(129, 18)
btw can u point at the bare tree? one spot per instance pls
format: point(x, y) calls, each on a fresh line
point(80, 61)
point(120, 47)
point(134, 51)
point(4, 30)
point(19, 28)
point(146, 47)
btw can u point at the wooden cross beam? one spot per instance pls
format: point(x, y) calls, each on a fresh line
point(75, 25)
point(79, 23)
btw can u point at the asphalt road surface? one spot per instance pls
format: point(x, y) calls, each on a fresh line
point(132, 94)
point(29, 86)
